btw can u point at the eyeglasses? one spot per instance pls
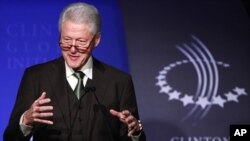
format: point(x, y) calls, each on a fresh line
point(80, 45)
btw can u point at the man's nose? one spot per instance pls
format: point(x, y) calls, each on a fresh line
point(73, 42)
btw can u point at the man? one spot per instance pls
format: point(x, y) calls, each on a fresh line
point(75, 97)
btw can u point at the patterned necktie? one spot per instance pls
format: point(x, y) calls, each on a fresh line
point(79, 87)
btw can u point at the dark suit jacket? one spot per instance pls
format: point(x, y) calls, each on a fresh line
point(86, 120)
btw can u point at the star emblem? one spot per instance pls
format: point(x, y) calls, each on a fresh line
point(203, 102)
point(240, 91)
point(174, 95)
point(187, 99)
point(231, 97)
point(218, 100)
point(165, 89)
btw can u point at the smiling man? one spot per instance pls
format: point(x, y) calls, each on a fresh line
point(76, 97)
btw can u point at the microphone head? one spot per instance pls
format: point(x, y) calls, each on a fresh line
point(93, 88)
point(89, 89)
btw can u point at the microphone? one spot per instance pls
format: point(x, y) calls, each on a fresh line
point(90, 89)
point(103, 110)
point(86, 90)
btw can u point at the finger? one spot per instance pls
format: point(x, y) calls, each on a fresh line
point(136, 126)
point(131, 132)
point(126, 112)
point(43, 108)
point(42, 115)
point(44, 101)
point(129, 119)
point(118, 114)
point(43, 95)
point(49, 122)
point(132, 124)
point(114, 112)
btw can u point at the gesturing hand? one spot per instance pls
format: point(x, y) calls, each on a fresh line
point(127, 118)
point(39, 112)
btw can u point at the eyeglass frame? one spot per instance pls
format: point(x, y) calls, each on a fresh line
point(79, 48)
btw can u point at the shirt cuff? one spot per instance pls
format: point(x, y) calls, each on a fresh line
point(135, 137)
point(26, 129)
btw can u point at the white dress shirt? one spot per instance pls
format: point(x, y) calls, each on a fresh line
point(87, 69)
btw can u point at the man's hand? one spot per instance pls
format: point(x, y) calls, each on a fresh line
point(127, 118)
point(39, 112)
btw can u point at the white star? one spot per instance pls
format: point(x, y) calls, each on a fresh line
point(163, 72)
point(161, 83)
point(167, 68)
point(174, 95)
point(231, 97)
point(160, 77)
point(185, 61)
point(165, 89)
point(203, 102)
point(187, 99)
point(240, 91)
point(218, 100)
point(173, 65)
point(178, 62)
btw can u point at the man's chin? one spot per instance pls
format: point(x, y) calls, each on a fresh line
point(74, 65)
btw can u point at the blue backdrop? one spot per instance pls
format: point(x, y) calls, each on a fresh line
point(29, 35)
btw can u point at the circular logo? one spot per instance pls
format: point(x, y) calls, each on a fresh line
point(206, 69)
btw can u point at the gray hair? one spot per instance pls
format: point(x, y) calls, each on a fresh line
point(81, 13)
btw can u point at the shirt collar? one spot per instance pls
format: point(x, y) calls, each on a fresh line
point(87, 69)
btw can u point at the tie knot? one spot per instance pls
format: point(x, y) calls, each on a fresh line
point(79, 74)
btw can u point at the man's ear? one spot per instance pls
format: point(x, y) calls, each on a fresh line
point(97, 39)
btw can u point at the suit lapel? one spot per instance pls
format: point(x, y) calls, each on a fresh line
point(59, 87)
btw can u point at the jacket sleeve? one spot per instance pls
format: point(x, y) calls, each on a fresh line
point(128, 102)
point(24, 99)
